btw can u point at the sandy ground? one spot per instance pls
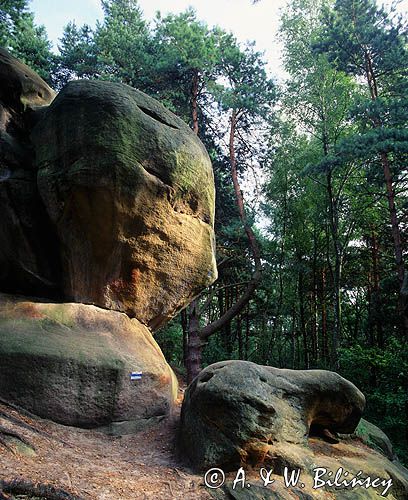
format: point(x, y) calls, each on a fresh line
point(93, 465)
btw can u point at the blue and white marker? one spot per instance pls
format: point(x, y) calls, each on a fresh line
point(136, 375)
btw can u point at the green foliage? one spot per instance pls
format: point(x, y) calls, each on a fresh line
point(382, 375)
point(249, 91)
point(78, 54)
point(25, 40)
point(170, 339)
point(365, 40)
point(185, 52)
point(358, 34)
point(123, 43)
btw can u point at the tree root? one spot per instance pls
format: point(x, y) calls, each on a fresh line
point(17, 420)
point(6, 432)
point(46, 491)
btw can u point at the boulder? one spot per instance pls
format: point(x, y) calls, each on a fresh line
point(28, 251)
point(107, 198)
point(278, 422)
point(374, 437)
point(130, 190)
point(234, 411)
point(72, 363)
point(349, 456)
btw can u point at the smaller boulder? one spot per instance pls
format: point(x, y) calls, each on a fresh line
point(375, 438)
point(234, 412)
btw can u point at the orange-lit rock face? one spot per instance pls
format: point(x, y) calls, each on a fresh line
point(130, 190)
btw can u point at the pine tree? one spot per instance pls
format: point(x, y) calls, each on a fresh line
point(25, 40)
point(367, 42)
point(78, 54)
point(123, 44)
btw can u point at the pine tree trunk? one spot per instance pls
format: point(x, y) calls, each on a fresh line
point(396, 232)
point(334, 229)
point(325, 349)
point(377, 301)
point(313, 306)
point(184, 326)
point(194, 346)
point(303, 320)
point(197, 340)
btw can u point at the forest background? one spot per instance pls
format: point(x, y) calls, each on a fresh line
point(312, 257)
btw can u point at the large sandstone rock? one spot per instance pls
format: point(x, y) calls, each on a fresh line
point(130, 190)
point(72, 362)
point(106, 197)
point(28, 250)
point(239, 414)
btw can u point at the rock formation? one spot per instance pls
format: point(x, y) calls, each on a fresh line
point(239, 414)
point(130, 190)
point(73, 363)
point(235, 410)
point(28, 251)
point(107, 199)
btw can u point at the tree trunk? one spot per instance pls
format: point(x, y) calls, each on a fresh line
point(313, 305)
point(303, 319)
point(184, 326)
point(334, 229)
point(240, 339)
point(238, 306)
point(376, 313)
point(197, 335)
point(325, 344)
point(396, 232)
point(194, 346)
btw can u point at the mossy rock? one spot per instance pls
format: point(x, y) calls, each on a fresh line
point(130, 190)
point(71, 363)
point(374, 437)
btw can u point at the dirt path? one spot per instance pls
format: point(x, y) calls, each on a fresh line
point(93, 465)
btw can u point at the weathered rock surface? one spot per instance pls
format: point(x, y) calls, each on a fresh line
point(239, 414)
point(375, 438)
point(20, 86)
point(234, 411)
point(28, 250)
point(71, 363)
point(130, 190)
point(107, 198)
point(349, 455)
